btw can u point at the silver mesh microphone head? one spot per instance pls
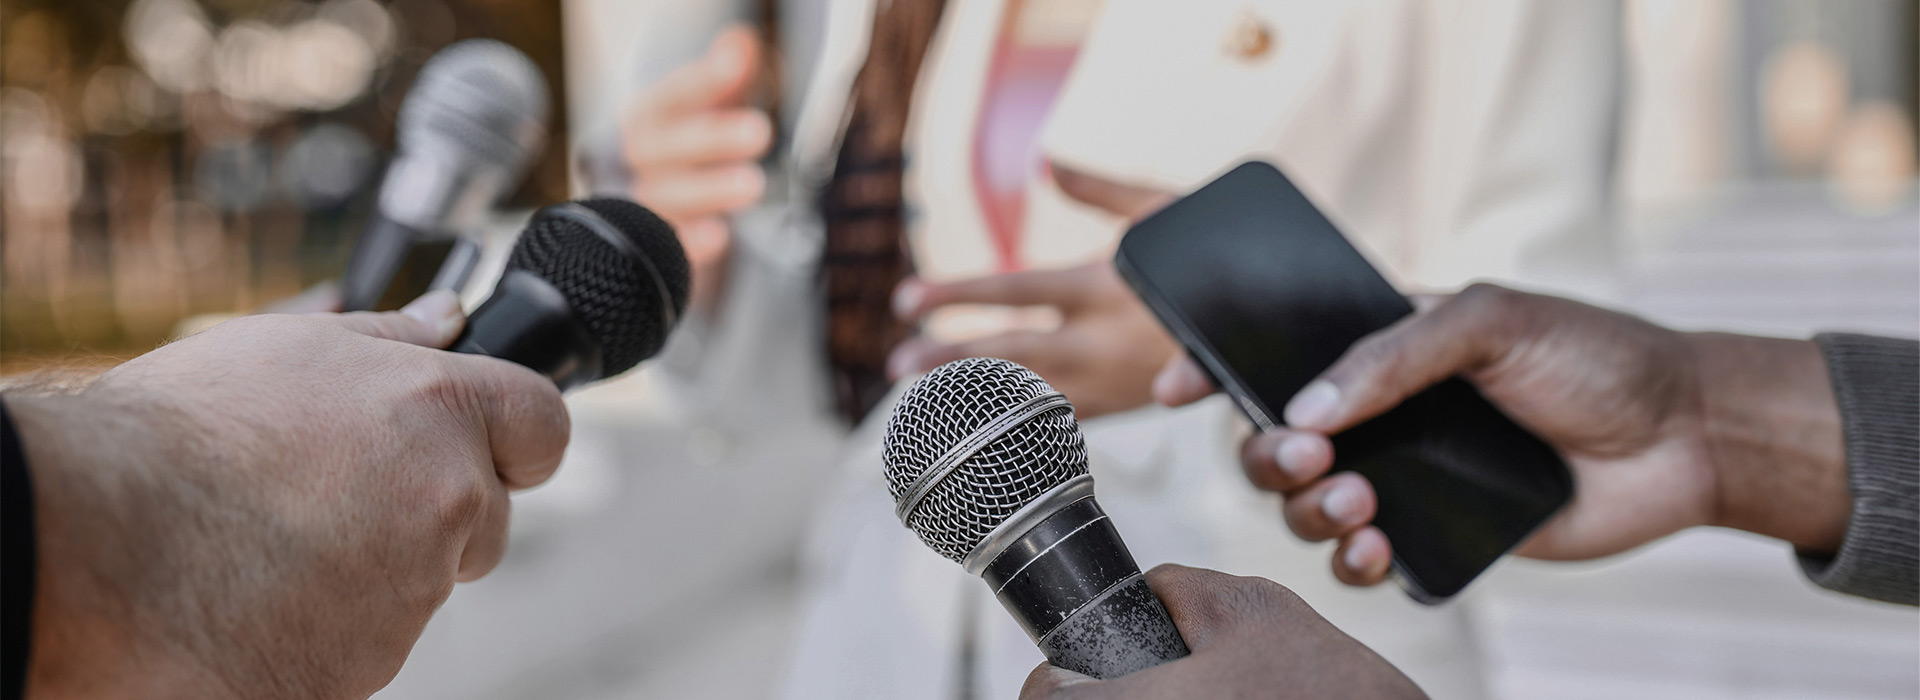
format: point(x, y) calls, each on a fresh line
point(972, 442)
point(483, 99)
point(473, 121)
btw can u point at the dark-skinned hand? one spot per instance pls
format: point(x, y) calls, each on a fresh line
point(1251, 638)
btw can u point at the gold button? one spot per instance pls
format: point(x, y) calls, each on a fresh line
point(1250, 38)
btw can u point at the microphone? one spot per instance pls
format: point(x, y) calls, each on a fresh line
point(468, 128)
point(988, 467)
point(592, 288)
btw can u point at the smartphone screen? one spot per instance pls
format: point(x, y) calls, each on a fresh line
point(1265, 293)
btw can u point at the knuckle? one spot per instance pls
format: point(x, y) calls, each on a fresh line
point(1483, 294)
point(1483, 303)
point(457, 497)
point(437, 386)
point(1493, 312)
point(420, 603)
point(1374, 355)
point(1254, 598)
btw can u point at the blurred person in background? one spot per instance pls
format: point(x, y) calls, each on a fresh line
point(955, 176)
point(272, 508)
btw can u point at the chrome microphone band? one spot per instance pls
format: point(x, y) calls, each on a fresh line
point(606, 230)
point(1059, 566)
point(965, 448)
point(1022, 520)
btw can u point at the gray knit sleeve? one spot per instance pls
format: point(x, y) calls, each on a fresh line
point(1877, 383)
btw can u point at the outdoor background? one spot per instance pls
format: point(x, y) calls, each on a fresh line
point(167, 158)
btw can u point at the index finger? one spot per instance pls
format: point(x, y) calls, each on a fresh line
point(1066, 289)
point(1200, 601)
point(526, 422)
point(1132, 202)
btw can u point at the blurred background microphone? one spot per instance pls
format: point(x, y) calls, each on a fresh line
point(469, 127)
point(591, 289)
point(987, 465)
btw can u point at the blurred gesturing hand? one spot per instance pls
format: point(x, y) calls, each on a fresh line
point(1251, 638)
point(1108, 345)
point(274, 507)
point(1663, 430)
point(694, 147)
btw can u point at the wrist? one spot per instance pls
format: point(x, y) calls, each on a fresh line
point(1771, 426)
point(85, 634)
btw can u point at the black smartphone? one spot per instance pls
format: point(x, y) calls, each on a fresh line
point(1265, 293)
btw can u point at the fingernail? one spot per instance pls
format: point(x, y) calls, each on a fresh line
point(1354, 560)
point(1314, 406)
point(439, 308)
point(1165, 384)
point(906, 298)
point(1294, 453)
point(1342, 504)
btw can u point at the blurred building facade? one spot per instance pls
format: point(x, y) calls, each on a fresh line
point(165, 158)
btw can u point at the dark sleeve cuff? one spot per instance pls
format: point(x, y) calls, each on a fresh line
point(1877, 383)
point(16, 560)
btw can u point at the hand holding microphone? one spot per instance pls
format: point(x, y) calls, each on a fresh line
point(1252, 638)
point(276, 506)
point(273, 507)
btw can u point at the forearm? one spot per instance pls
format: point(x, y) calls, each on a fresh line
point(1771, 427)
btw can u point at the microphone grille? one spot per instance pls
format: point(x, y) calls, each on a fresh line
point(947, 406)
point(481, 97)
point(615, 294)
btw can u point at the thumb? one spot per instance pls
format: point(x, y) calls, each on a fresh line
point(1050, 681)
point(1466, 332)
point(433, 321)
point(1131, 201)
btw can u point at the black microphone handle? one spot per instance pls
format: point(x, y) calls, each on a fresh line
point(376, 257)
point(528, 321)
point(1074, 587)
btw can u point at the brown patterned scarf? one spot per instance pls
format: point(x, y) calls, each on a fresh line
point(866, 251)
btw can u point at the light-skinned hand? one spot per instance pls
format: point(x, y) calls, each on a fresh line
point(274, 507)
point(1107, 347)
point(694, 145)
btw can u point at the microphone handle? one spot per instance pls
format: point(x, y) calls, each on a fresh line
point(1074, 587)
point(376, 257)
point(458, 267)
point(528, 321)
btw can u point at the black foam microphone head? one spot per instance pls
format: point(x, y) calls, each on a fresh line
point(626, 281)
